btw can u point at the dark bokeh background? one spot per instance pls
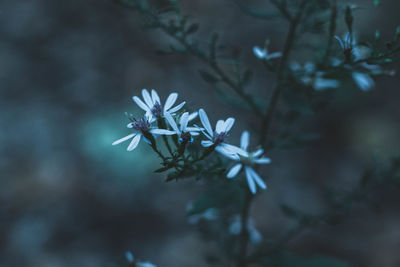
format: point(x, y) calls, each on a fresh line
point(68, 70)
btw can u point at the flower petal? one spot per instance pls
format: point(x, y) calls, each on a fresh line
point(260, 53)
point(184, 121)
point(364, 81)
point(123, 139)
point(206, 143)
point(205, 121)
point(234, 170)
point(141, 104)
point(258, 152)
point(162, 132)
point(193, 129)
point(222, 150)
point(257, 178)
point(147, 98)
point(274, 55)
point(176, 108)
point(263, 160)
point(134, 142)
point(321, 84)
point(250, 180)
point(244, 140)
point(170, 101)
point(193, 115)
point(231, 148)
point(228, 124)
point(340, 41)
point(172, 122)
point(155, 97)
point(219, 128)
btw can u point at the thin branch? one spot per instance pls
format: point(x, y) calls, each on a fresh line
point(289, 43)
point(332, 29)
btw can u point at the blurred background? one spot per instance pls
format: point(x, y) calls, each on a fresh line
point(68, 70)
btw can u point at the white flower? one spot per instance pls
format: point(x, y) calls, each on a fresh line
point(152, 105)
point(263, 53)
point(364, 81)
point(350, 47)
point(247, 160)
point(141, 127)
point(217, 137)
point(310, 77)
point(184, 132)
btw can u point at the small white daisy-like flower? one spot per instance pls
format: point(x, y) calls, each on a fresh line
point(262, 53)
point(350, 48)
point(142, 127)
point(216, 138)
point(152, 104)
point(247, 160)
point(184, 132)
point(310, 77)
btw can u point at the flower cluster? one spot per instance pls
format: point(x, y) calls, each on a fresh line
point(167, 120)
point(353, 63)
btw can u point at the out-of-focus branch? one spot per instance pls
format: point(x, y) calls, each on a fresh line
point(289, 43)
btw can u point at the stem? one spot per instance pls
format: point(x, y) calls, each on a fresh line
point(154, 145)
point(332, 29)
point(265, 126)
point(161, 125)
point(244, 235)
point(289, 43)
point(205, 154)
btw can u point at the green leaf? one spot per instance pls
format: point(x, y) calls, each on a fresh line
point(208, 77)
point(377, 3)
point(163, 169)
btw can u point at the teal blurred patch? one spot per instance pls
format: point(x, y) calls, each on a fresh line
point(97, 135)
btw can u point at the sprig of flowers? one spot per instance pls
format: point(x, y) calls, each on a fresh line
point(177, 124)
